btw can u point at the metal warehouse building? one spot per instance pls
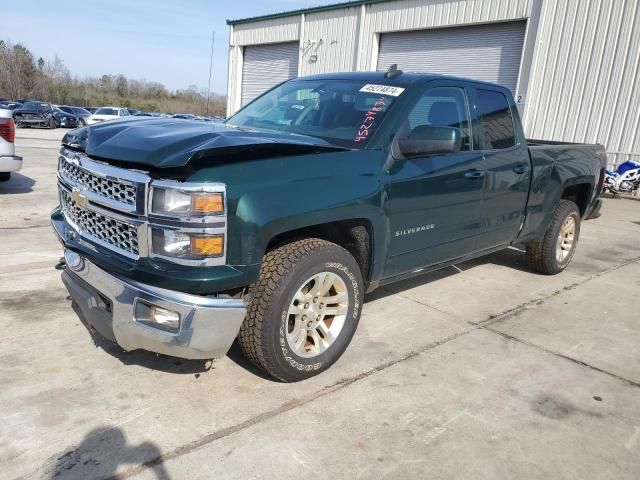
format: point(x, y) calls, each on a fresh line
point(571, 64)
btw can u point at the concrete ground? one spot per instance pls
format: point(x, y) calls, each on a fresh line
point(485, 370)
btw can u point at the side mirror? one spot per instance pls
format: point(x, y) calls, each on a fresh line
point(430, 140)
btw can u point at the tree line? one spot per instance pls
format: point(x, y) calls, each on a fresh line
point(24, 77)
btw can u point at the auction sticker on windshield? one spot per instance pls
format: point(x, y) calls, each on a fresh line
point(382, 89)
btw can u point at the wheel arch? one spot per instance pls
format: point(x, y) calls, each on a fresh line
point(354, 235)
point(578, 193)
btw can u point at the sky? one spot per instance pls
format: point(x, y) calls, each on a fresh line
point(156, 40)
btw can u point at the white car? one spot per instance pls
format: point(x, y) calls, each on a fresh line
point(9, 161)
point(107, 113)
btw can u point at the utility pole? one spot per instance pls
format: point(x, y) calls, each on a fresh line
point(213, 39)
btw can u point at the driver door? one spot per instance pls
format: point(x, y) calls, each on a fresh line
point(435, 200)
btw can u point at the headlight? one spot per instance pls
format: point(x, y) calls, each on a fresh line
point(187, 245)
point(187, 201)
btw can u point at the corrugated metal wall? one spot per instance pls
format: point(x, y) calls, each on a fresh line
point(276, 30)
point(331, 36)
point(585, 80)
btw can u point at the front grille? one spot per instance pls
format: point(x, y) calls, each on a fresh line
point(121, 235)
point(114, 189)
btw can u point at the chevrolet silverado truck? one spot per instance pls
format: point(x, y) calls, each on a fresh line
point(9, 161)
point(180, 236)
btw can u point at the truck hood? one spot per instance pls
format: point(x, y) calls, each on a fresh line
point(170, 143)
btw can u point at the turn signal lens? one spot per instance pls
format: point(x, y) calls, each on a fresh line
point(207, 246)
point(207, 203)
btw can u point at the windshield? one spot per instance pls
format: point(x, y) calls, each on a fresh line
point(35, 106)
point(107, 111)
point(343, 112)
point(81, 111)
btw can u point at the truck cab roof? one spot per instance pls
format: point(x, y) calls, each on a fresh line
point(402, 79)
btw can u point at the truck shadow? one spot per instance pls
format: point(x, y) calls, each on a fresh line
point(18, 183)
point(154, 361)
point(99, 455)
point(164, 363)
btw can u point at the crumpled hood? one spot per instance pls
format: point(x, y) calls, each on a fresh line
point(168, 142)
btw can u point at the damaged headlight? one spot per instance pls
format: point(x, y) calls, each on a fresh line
point(188, 222)
point(173, 199)
point(187, 245)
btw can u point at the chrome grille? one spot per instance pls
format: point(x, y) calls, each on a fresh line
point(117, 190)
point(121, 235)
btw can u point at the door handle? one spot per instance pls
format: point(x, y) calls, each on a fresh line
point(471, 174)
point(520, 169)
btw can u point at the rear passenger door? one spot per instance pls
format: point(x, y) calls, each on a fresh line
point(508, 168)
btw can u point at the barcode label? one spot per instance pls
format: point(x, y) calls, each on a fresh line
point(382, 89)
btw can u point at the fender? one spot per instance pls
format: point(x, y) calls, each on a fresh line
point(555, 170)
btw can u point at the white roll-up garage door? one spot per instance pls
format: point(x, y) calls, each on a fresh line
point(490, 52)
point(265, 66)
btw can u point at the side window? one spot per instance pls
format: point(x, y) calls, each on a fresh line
point(441, 107)
point(496, 119)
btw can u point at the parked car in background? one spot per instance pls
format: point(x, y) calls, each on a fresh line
point(65, 119)
point(79, 112)
point(186, 116)
point(9, 161)
point(143, 114)
point(9, 105)
point(35, 114)
point(104, 114)
point(133, 111)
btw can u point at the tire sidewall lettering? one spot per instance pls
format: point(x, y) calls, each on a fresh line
point(291, 358)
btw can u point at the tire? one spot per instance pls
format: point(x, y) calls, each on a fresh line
point(81, 123)
point(52, 123)
point(5, 176)
point(270, 336)
point(544, 255)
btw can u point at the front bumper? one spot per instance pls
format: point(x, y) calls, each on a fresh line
point(32, 122)
point(10, 163)
point(208, 325)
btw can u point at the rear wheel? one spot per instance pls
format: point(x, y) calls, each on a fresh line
point(553, 253)
point(303, 310)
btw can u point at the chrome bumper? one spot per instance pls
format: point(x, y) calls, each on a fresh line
point(208, 325)
point(10, 163)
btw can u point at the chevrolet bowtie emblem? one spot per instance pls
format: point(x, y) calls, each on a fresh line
point(78, 198)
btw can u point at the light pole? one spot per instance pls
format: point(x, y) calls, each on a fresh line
point(213, 39)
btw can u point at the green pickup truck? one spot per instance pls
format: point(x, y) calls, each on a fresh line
point(181, 236)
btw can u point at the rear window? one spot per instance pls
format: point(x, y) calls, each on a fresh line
point(107, 111)
point(496, 120)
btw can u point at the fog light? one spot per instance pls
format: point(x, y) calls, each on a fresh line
point(157, 317)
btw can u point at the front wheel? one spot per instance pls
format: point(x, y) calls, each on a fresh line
point(52, 123)
point(303, 310)
point(554, 251)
